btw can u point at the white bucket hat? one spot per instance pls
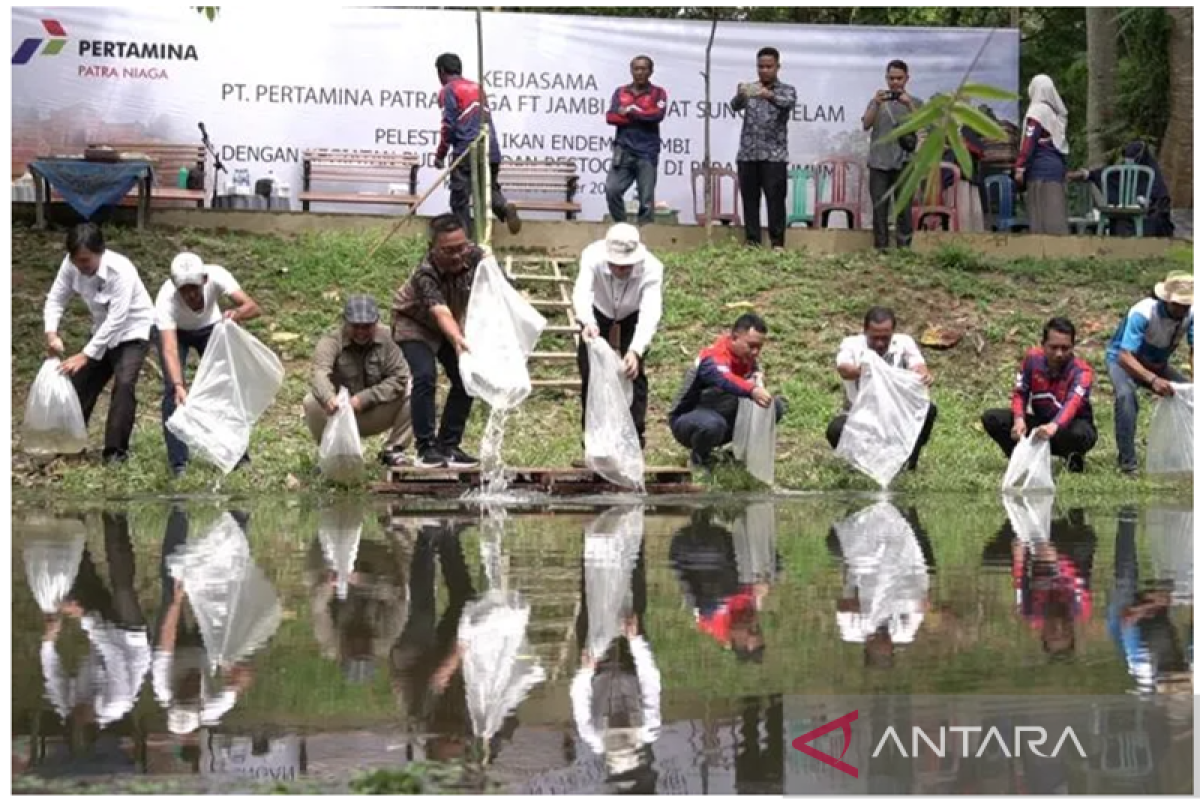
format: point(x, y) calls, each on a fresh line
point(1177, 288)
point(623, 245)
point(187, 269)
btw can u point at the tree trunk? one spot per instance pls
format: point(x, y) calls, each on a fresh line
point(1102, 81)
point(1175, 157)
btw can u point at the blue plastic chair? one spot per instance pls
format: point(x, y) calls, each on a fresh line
point(1000, 193)
point(1129, 180)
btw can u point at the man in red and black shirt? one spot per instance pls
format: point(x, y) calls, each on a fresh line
point(463, 111)
point(706, 407)
point(1051, 396)
point(636, 110)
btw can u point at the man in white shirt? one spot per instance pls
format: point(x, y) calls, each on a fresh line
point(897, 350)
point(187, 310)
point(618, 296)
point(122, 317)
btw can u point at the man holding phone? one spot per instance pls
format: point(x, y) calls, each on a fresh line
point(888, 110)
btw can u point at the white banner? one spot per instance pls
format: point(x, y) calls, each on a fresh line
point(267, 85)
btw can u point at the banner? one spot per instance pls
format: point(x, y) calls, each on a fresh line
point(268, 85)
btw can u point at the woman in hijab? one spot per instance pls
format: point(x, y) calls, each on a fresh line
point(1157, 197)
point(1042, 160)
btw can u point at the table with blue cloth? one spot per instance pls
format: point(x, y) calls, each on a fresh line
point(88, 186)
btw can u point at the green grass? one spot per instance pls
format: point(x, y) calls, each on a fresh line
point(810, 303)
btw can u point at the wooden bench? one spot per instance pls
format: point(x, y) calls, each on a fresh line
point(359, 166)
point(541, 178)
point(167, 159)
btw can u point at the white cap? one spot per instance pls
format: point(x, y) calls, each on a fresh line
point(187, 269)
point(181, 721)
point(623, 245)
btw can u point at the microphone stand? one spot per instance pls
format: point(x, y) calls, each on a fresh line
point(218, 167)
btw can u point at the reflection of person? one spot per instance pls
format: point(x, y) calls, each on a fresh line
point(758, 761)
point(1139, 356)
point(1051, 397)
point(888, 110)
point(122, 317)
point(703, 557)
point(1042, 160)
point(636, 110)
point(107, 685)
point(187, 311)
point(887, 558)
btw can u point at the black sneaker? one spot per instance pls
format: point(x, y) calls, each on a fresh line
point(1075, 462)
point(512, 219)
point(431, 458)
point(457, 459)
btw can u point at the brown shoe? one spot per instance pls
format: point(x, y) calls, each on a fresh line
point(512, 219)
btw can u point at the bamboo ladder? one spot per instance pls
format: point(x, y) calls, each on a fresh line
point(543, 280)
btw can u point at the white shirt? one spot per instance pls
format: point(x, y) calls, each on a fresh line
point(172, 313)
point(596, 289)
point(902, 353)
point(116, 297)
point(650, 682)
point(111, 676)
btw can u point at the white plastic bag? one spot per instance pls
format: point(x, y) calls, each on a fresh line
point(52, 552)
point(340, 456)
point(1170, 443)
point(885, 420)
point(53, 417)
point(754, 537)
point(1030, 516)
point(236, 382)
point(1029, 467)
point(339, 529)
point(499, 665)
point(611, 445)
point(610, 549)
point(1171, 532)
point(501, 330)
point(754, 439)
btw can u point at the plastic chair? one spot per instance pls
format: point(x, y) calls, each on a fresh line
point(801, 178)
point(944, 209)
point(1081, 202)
point(839, 188)
point(716, 176)
point(1129, 178)
point(1000, 193)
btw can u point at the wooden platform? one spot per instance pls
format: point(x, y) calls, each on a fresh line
point(551, 480)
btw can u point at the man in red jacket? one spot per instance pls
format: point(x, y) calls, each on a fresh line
point(636, 111)
point(1052, 396)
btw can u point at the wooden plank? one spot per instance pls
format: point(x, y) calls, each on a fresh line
point(547, 383)
point(358, 197)
point(549, 356)
point(542, 278)
point(549, 303)
point(518, 474)
point(567, 329)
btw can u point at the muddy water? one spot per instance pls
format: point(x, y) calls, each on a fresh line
point(204, 645)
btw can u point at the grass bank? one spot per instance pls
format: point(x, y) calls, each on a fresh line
point(810, 303)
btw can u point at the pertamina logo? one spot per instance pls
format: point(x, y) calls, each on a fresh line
point(54, 46)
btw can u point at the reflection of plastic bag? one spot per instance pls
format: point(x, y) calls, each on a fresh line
point(53, 418)
point(52, 551)
point(340, 456)
point(236, 382)
point(1170, 442)
point(499, 665)
point(340, 530)
point(754, 439)
point(610, 550)
point(501, 331)
point(885, 420)
point(1172, 534)
point(610, 441)
point(754, 544)
point(1029, 467)
point(1030, 515)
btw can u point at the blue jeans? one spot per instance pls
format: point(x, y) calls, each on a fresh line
point(1125, 387)
point(177, 451)
point(626, 169)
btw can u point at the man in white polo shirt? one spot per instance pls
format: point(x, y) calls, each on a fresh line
point(186, 311)
point(897, 350)
point(122, 317)
point(618, 296)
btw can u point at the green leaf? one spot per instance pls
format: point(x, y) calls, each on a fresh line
point(978, 121)
point(961, 155)
point(985, 92)
point(927, 116)
point(924, 162)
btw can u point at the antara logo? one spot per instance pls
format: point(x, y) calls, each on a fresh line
point(53, 47)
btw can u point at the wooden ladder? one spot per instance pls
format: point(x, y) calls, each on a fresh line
point(544, 281)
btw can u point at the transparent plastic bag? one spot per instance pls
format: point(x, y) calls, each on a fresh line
point(1171, 532)
point(236, 382)
point(885, 420)
point(1170, 443)
point(53, 422)
point(52, 551)
point(610, 549)
point(500, 666)
point(754, 439)
point(501, 330)
point(339, 529)
point(611, 444)
point(340, 456)
point(754, 539)
point(1029, 515)
point(1029, 468)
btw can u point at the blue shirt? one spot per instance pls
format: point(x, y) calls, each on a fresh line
point(1150, 334)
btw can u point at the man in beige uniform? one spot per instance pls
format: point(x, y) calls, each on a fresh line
point(361, 356)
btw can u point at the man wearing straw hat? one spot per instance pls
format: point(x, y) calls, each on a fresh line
point(1140, 353)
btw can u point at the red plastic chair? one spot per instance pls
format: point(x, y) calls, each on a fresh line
point(717, 176)
point(942, 214)
point(840, 184)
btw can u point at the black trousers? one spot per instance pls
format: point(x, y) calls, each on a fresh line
point(641, 386)
point(422, 363)
point(1077, 437)
point(883, 209)
point(460, 194)
point(758, 178)
point(121, 364)
point(118, 605)
point(833, 433)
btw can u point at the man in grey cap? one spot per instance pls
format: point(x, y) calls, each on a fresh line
point(361, 356)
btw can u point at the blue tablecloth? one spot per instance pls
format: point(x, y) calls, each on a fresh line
point(88, 186)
